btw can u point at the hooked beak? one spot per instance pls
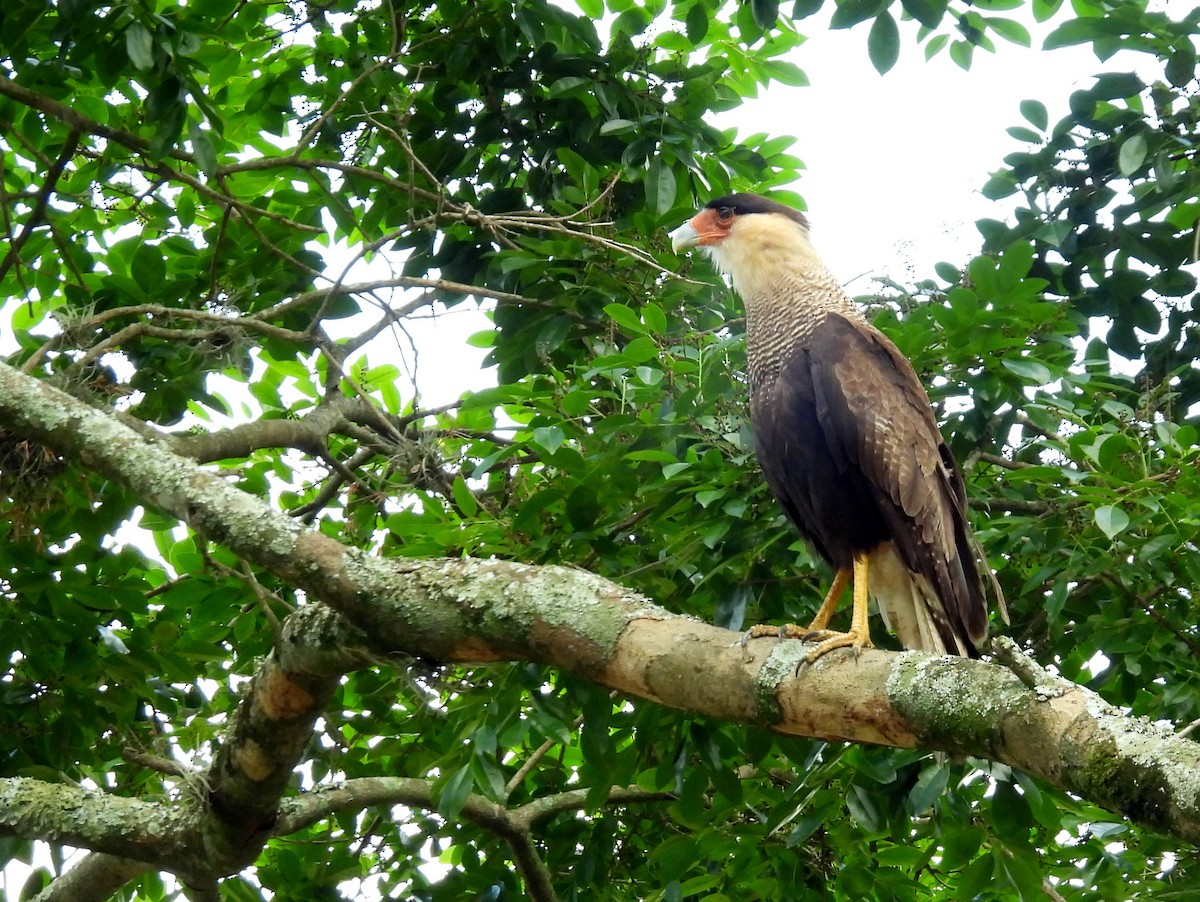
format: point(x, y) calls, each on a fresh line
point(684, 237)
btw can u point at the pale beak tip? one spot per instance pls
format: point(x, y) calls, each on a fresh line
point(684, 237)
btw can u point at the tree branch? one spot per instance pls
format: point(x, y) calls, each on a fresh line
point(38, 214)
point(90, 819)
point(95, 878)
point(513, 825)
point(478, 610)
point(273, 725)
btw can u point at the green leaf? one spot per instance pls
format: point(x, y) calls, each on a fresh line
point(631, 22)
point(664, 457)
point(786, 73)
point(1043, 10)
point(1011, 816)
point(959, 847)
point(948, 273)
point(929, 788)
point(1181, 64)
point(660, 187)
point(696, 23)
point(748, 30)
point(583, 507)
point(1132, 155)
point(625, 317)
point(862, 808)
point(561, 87)
point(551, 336)
point(618, 127)
point(482, 339)
point(139, 44)
point(1111, 520)
point(654, 318)
point(851, 12)
point(1000, 185)
point(549, 438)
point(1165, 172)
point(883, 42)
point(802, 9)
point(593, 9)
point(1077, 31)
point(766, 13)
point(452, 793)
point(855, 881)
point(1034, 112)
point(1117, 85)
point(962, 52)
point(977, 878)
point(464, 498)
point(1031, 371)
point(202, 148)
point(1018, 868)
point(170, 112)
point(148, 268)
point(1012, 31)
point(928, 12)
point(1024, 134)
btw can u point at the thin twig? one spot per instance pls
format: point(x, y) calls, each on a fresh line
point(157, 763)
point(519, 777)
point(1004, 462)
point(1190, 727)
point(38, 214)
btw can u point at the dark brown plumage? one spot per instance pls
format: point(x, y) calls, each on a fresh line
point(846, 437)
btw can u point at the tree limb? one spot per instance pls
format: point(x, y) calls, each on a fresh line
point(513, 825)
point(478, 610)
point(38, 214)
point(95, 878)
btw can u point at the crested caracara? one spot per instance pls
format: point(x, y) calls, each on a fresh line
point(846, 438)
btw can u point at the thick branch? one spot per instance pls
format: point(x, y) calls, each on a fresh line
point(308, 433)
point(76, 120)
point(96, 878)
point(273, 727)
point(90, 819)
point(460, 610)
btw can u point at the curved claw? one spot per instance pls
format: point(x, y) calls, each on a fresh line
point(853, 639)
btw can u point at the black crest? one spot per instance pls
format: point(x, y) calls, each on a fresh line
point(745, 204)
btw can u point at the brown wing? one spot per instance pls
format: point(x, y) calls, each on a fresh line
point(875, 412)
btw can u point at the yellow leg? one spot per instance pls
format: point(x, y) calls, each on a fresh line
point(832, 597)
point(859, 635)
point(828, 606)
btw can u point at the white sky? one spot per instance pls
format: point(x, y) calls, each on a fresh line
point(895, 162)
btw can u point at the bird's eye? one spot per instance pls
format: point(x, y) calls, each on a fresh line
point(724, 214)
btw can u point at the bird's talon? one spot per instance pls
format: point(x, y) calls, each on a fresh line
point(854, 640)
point(761, 630)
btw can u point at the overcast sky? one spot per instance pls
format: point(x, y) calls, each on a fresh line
point(895, 162)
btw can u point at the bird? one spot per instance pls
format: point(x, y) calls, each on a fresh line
point(847, 440)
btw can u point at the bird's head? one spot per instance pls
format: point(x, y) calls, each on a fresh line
point(747, 237)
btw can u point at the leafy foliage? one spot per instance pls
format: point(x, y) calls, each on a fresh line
point(222, 216)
